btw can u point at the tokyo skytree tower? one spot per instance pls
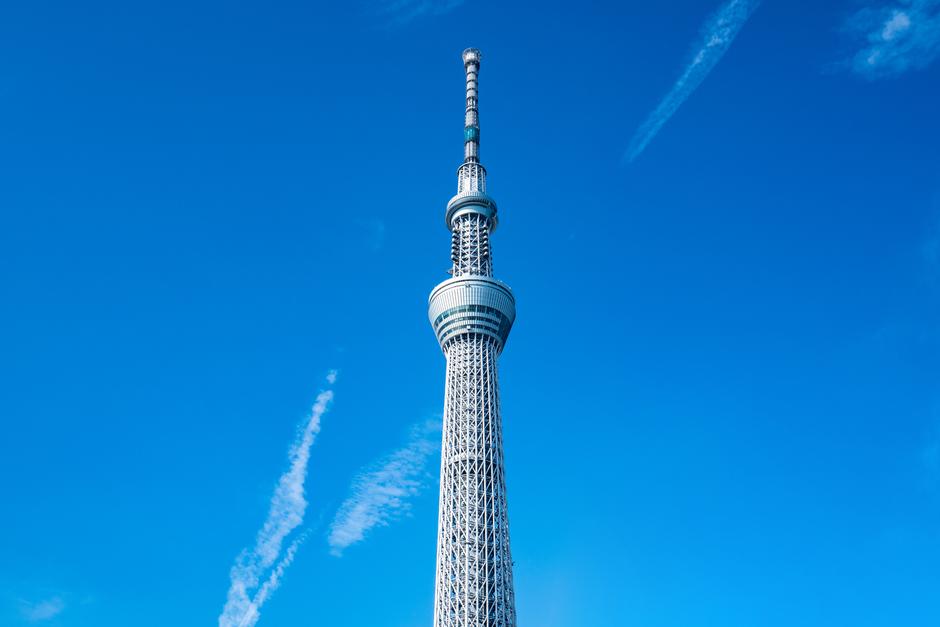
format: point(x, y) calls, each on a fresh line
point(471, 314)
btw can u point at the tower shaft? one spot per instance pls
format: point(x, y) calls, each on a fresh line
point(472, 314)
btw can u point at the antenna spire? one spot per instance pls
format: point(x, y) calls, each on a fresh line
point(471, 176)
point(471, 130)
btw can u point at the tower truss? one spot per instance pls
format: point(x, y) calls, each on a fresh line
point(471, 314)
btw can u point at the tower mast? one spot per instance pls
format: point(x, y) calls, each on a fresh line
point(471, 314)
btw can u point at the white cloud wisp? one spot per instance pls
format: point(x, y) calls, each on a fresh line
point(400, 12)
point(897, 36)
point(381, 494)
point(42, 611)
point(717, 35)
point(265, 560)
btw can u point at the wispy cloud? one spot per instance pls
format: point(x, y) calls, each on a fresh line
point(894, 37)
point(717, 35)
point(399, 12)
point(43, 610)
point(381, 493)
point(265, 560)
point(252, 608)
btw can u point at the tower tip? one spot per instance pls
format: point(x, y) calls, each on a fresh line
point(472, 55)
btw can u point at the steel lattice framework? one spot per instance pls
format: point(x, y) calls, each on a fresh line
point(472, 314)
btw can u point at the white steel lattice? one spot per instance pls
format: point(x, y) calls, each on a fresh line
point(470, 246)
point(474, 564)
point(471, 177)
point(472, 314)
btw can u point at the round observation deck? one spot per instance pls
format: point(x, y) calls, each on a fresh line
point(471, 202)
point(471, 305)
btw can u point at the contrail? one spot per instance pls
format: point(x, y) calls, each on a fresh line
point(286, 513)
point(381, 494)
point(252, 613)
point(400, 12)
point(717, 35)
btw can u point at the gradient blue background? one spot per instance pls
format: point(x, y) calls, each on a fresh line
point(721, 395)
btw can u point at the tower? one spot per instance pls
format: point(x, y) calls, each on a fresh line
point(471, 314)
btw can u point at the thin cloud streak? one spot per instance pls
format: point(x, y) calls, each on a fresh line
point(381, 494)
point(894, 37)
point(252, 613)
point(286, 512)
point(43, 610)
point(401, 12)
point(717, 35)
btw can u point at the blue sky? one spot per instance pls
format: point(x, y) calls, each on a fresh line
point(721, 395)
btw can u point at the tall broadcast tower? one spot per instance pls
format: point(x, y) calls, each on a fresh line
point(471, 314)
